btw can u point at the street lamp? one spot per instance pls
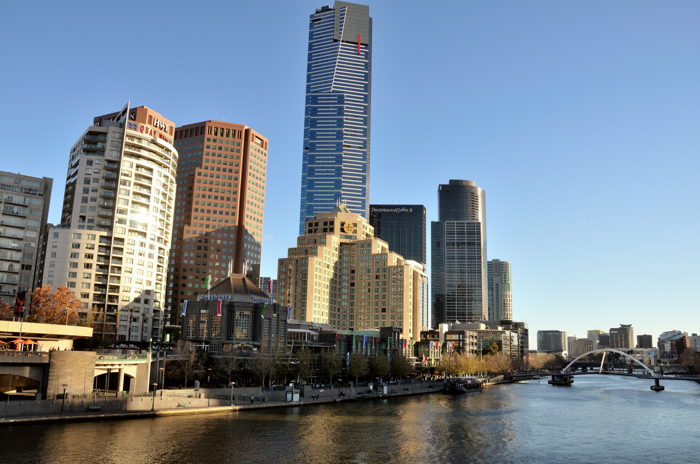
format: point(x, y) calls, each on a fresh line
point(232, 384)
point(153, 403)
point(63, 404)
point(162, 373)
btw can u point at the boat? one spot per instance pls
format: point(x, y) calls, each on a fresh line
point(456, 385)
point(561, 380)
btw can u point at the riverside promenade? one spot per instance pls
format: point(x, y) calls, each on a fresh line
point(202, 401)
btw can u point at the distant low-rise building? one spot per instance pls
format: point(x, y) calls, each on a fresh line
point(672, 344)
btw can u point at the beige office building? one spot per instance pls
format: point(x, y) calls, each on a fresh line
point(342, 275)
point(111, 248)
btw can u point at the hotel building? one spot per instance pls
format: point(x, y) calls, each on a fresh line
point(337, 116)
point(111, 248)
point(219, 208)
point(24, 209)
point(342, 275)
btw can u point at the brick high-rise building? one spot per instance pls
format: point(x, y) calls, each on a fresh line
point(219, 208)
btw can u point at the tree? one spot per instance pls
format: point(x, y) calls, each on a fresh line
point(399, 365)
point(500, 363)
point(6, 311)
point(449, 364)
point(491, 349)
point(228, 363)
point(379, 366)
point(304, 363)
point(330, 363)
point(691, 359)
point(186, 364)
point(358, 365)
point(263, 366)
point(59, 307)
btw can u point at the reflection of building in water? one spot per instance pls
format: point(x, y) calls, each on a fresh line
point(111, 249)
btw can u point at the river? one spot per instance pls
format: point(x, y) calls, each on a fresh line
point(599, 419)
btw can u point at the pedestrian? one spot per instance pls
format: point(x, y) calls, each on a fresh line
point(252, 399)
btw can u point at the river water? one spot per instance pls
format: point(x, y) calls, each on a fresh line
point(599, 419)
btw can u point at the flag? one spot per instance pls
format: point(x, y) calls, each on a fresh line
point(218, 308)
point(431, 346)
point(289, 310)
point(269, 288)
point(364, 342)
point(208, 282)
point(374, 339)
point(336, 339)
point(423, 359)
point(262, 314)
point(405, 344)
point(184, 308)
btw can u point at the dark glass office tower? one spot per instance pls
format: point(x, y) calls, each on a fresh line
point(458, 254)
point(402, 227)
point(337, 117)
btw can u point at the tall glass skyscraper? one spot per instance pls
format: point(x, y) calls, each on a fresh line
point(337, 118)
point(458, 254)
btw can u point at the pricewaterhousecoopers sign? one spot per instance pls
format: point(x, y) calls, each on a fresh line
point(399, 209)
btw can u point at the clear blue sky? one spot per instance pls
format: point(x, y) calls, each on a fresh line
point(579, 119)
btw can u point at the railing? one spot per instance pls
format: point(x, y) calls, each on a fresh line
point(133, 357)
point(24, 354)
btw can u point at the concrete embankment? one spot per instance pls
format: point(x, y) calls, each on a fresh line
point(179, 402)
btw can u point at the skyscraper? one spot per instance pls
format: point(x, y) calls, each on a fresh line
point(219, 212)
point(111, 248)
point(458, 254)
point(24, 208)
point(402, 227)
point(336, 154)
point(500, 297)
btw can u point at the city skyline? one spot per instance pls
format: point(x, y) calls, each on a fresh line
point(578, 120)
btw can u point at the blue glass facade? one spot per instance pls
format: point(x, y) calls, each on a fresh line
point(336, 152)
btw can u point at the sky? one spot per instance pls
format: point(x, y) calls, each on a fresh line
point(579, 120)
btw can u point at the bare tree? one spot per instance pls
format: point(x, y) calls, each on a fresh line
point(229, 362)
point(263, 366)
point(186, 364)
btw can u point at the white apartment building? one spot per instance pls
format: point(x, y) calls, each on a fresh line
point(111, 248)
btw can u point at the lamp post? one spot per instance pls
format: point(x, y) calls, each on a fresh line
point(153, 403)
point(162, 373)
point(232, 384)
point(63, 403)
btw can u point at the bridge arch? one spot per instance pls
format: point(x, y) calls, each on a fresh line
point(610, 350)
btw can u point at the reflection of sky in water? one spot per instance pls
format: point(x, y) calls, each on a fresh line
point(598, 419)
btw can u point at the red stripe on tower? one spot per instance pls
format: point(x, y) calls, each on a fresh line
point(359, 37)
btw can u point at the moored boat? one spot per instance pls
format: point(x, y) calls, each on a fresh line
point(458, 385)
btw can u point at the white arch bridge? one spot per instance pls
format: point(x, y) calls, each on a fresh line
point(566, 377)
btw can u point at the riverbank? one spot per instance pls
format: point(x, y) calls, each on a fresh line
point(191, 402)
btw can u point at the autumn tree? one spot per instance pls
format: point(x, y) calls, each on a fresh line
point(6, 311)
point(358, 365)
point(57, 307)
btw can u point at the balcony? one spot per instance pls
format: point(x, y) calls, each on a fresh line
point(111, 166)
point(110, 175)
point(108, 184)
point(94, 147)
point(107, 194)
point(105, 212)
